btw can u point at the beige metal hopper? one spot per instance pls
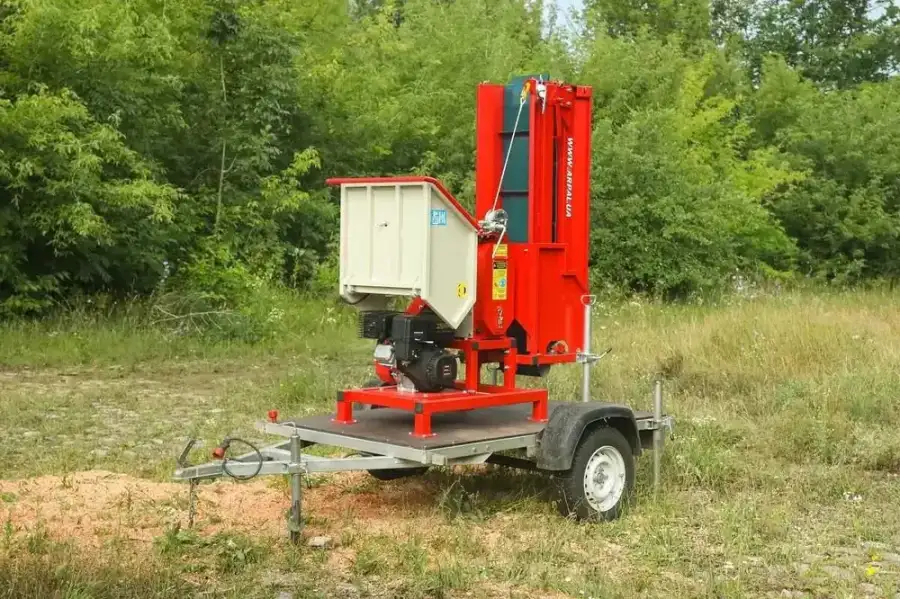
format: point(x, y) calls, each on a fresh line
point(407, 236)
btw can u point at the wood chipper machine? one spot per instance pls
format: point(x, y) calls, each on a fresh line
point(496, 297)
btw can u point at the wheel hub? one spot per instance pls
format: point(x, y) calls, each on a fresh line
point(604, 478)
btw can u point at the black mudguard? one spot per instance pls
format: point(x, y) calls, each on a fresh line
point(568, 423)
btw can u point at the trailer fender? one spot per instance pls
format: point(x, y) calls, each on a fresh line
point(568, 423)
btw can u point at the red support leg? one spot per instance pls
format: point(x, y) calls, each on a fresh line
point(344, 412)
point(509, 368)
point(539, 410)
point(422, 425)
point(473, 369)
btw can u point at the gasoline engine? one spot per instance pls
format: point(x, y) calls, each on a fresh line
point(412, 348)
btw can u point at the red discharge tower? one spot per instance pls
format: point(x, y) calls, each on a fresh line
point(505, 287)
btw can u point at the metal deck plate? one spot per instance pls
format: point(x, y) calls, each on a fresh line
point(386, 425)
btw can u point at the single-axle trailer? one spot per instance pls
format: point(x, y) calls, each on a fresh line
point(505, 288)
point(589, 450)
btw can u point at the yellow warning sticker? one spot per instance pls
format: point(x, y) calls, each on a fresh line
point(501, 280)
point(461, 290)
point(501, 251)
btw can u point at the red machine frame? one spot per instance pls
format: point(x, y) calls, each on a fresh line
point(537, 318)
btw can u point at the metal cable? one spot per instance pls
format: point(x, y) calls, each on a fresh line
point(259, 464)
point(522, 99)
point(512, 140)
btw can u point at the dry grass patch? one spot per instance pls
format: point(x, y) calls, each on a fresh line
point(783, 479)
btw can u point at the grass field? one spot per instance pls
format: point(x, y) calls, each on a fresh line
point(783, 479)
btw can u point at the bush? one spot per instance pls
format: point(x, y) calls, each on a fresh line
point(845, 216)
point(83, 210)
point(678, 191)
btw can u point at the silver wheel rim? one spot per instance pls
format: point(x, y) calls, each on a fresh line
point(604, 478)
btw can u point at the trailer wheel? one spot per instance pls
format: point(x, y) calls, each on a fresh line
point(601, 479)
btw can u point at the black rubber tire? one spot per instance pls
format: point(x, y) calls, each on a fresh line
point(572, 501)
point(387, 474)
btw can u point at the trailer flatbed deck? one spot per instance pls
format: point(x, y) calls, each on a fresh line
point(391, 426)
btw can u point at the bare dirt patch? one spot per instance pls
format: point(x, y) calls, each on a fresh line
point(90, 507)
point(358, 495)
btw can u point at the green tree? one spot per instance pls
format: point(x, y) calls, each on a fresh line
point(833, 42)
point(192, 138)
point(679, 192)
point(402, 98)
point(78, 209)
point(689, 20)
point(846, 215)
point(208, 94)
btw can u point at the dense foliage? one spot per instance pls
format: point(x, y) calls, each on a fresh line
point(157, 144)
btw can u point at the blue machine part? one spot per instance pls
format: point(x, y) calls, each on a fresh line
point(514, 191)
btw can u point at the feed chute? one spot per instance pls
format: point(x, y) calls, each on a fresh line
point(407, 236)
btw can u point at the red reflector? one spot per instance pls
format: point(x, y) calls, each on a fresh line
point(218, 453)
point(273, 415)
